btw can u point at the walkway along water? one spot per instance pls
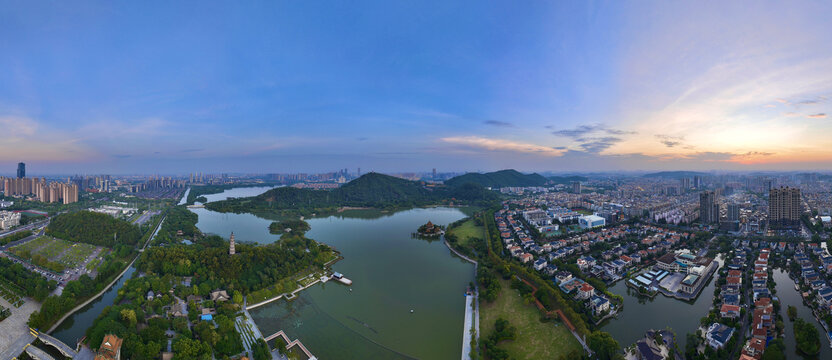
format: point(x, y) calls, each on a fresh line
point(472, 309)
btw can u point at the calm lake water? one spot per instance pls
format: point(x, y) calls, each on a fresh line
point(789, 296)
point(642, 314)
point(392, 273)
point(238, 193)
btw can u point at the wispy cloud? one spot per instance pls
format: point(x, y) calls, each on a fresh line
point(670, 141)
point(498, 123)
point(597, 144)
point(483, 143)
point(583, 130)
point(817, 116)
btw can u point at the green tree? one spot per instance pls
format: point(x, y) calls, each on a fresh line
point(604, 346)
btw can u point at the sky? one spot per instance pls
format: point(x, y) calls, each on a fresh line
point(313, 86)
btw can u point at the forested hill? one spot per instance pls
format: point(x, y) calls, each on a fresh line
point(369, 190)
point(498, 179)
point(94, 228)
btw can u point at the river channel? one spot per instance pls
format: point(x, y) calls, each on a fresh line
point(641, 314)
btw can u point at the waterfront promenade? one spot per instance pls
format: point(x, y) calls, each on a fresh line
point(472, 321)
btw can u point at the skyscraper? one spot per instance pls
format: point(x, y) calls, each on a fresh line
point(685, 184)
point(733, 213)
point(697, 182)
point(576, 187)
point(21, 170)
point(784, 208)
point(708, 207)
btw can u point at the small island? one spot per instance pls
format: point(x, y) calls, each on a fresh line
point(430, 230)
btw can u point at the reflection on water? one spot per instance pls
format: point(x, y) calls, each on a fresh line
point(641, 314)
point(392, 274)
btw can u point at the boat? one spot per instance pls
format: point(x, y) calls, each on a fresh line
point(411, 311)
point(796, 287)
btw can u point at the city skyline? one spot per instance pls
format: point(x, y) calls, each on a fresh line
point(309, 87)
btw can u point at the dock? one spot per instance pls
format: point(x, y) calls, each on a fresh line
point(340, 278)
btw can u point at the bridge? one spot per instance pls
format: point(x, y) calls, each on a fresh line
point(196, 206)
point(37, 353)
point(58, 344)
point(290, 344)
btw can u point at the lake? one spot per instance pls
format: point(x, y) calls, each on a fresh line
point(392, 273)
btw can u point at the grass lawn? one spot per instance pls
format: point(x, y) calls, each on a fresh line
point(466, 231)
point(535, 339)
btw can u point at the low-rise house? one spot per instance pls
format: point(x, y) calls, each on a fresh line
point(718, 335)
point(729, 311)
point(599, 304)
point(540, 264)
point(586, 291)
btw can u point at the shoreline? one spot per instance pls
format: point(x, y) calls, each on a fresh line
point(290, 295)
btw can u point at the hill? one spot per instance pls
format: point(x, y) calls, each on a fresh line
point(498, 179)
point(370, 190)
point(94, 229)
point(674, 174)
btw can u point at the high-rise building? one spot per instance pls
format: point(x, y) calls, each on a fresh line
point(434, 173)
point(733, 213)
point(576, 187)
point(21, 170)
point(685, 184)
point(697, 182)
point(708, 207)
point(784, 208)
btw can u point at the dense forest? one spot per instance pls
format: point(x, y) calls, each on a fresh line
point(94, 228)
point(498, 179)
point(370, 190)
point(143, 324)
point(177, 218)
point(251, 268)
point(25, 281)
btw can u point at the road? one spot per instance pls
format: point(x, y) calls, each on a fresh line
point(25, 227)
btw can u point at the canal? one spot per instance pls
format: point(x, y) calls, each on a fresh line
point(75, 327)
point(641, 314)
point(789, 296)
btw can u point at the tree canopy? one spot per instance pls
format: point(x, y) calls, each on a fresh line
point(94, 228)
point(497, 179)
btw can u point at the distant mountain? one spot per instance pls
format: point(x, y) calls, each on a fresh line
point(674, 174)
point(369, 190)
point(497, 179)
point(567, 179)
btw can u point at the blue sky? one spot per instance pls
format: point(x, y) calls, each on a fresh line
point(312, 86)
